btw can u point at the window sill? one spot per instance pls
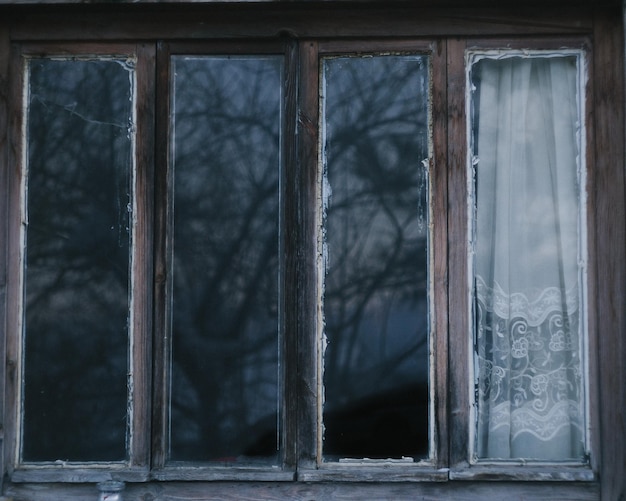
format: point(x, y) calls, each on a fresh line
point(73, 474)
point(68, 474)
point(543, 473)
point(278, 491)
point(224, 473)
point(379, 471)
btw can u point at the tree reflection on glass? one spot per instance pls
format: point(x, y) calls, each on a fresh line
point(375, 299)
point(226, 124)
point(77, 260)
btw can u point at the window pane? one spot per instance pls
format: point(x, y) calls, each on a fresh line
point(78, 253)
point(528, 261)
point(375, 112)
point(226, 122)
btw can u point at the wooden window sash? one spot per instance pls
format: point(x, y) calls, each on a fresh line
point(462, 467)
point(137, 463)
point(162, 467)
point(315, 469)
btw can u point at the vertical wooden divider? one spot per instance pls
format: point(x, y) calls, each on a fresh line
point(458, 241)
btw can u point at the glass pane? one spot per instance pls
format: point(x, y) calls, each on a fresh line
point(79, 158)
point(226, 122)
point(375, 112)
point(528, 257)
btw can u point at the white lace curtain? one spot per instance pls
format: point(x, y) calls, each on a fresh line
point(527, 278)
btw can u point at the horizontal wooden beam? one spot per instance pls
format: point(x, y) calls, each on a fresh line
point(296, 491)
point(340, 20)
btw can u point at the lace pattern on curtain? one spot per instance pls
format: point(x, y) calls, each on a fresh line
point(529, 367)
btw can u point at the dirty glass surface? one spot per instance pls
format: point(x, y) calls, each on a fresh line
point(376, 135)
point(78, 237)
point(226, 114)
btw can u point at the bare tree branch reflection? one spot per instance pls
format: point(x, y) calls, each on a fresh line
point(78, 248)
point(225, 317)
point(375, 295)
point(226, 122)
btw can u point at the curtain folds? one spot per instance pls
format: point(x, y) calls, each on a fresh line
point(527, 264)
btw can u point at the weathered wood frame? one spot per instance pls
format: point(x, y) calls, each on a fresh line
point(463, 467)
point(309, 23)
point(162, 468)
point(315, 469)
point(137, 464)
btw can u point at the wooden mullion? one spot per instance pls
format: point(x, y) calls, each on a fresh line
point(459, 321)
point(14, 263)
point(141, 345)
point(304, 263)
point(162, 266)
point(439, 256)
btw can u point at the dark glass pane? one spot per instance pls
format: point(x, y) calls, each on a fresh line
point(77, 260)
point(375, 112)
point(226, 122)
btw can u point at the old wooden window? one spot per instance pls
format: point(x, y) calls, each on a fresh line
point(84, 212)
point(309, 257)
point(224, 338)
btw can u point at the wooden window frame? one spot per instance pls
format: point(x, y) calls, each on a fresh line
point(140, 327)
point(432, 469)
point(463, 466)
point(162, 469)
point(301, 28)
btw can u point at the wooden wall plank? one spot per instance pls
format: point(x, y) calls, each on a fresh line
point(4, 207)
point(297, 491)
point(610, 237)
point(302, 20)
